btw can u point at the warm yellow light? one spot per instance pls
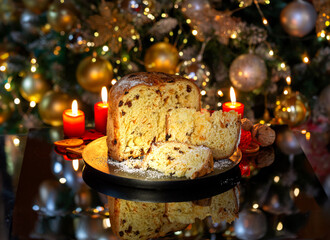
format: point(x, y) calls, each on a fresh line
point(164, 15)
point(96, 34)
point(276, 179)
point(185, 41)
point(93, 59)
point(296, 192)
point(125, 59)
point(171, 33)
point(279, 226)
point(219, 104)
point(282, 65)
point(152, 39)
point(104, 95)
point(305, 59)
point(106, 223)
point(17, 101)
point(75, 164)
point(233, 35)
point(328, 37)
point(264, 21)
point(271, 52)
point(33, 68)
point(193, 59)
point(188, 21)
point(3, 68)
point(203, 92)
point(180, 54)
point(7, 86)
point(288, 80)
point(194, 32)
point(220, 93)
point(113, 81)
point(255, 206)
point(74, 108)
point(322, 34)
point(62, 180)
point(16, 142)
point(285, 92)
point(33, 104)
point(308, 136)
point(105, 48)
point(232, 96)
point(33, 61)
point(303, 131)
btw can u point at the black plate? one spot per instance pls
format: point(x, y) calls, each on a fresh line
point(98, 171)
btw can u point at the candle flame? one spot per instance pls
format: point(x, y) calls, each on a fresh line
point(75, 108)
point(75, 164)
point(104, 95)
point(232, 96)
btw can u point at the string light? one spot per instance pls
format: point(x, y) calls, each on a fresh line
point(7, 86)
point(264, 21)
point(306, 59)
point(113, 81)
point(220, 93)
point(152, 39)
point(282, 65)
point(33, 61)
point(96, 34)
point(288, 80)
point(303, 131)
point(33, 68)
point(194, 32)
point(276, 179)
point(279, 226)
point(93, 59)
point(17, 101)
point(105, 48)
point(296, 192)
point(163, 15)
point(16, 142)
point(203, 92)
point(255, 206)
point(185, 41)
point(233, 35)
point(271, 53)
point(308, 136)
point(33, 104)
point(285, 92)
point(180, 54)
point(188, 21)
point(3, 68)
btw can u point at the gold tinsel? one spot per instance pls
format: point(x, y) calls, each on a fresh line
point(112, 26)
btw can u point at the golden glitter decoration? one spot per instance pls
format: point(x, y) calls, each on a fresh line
point(112, 27)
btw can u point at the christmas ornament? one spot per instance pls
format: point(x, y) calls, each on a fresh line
point(278, 201)
point(6, 108)
point(30, 22)
point(93, 73)
point(62, 16)
point(52, 106)
point(196, 71)
point(292, 109)
point(113, 27)
point(248, 72)
point(298, 18)
point(325, 99)
point(161, 57)
point(36, 6)
point(251, 224)
point(33, 87)
point(287, 142)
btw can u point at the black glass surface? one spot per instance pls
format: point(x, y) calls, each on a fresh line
point(43, 195)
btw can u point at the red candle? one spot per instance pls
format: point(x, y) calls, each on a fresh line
point(101, 112)
point(73, 121)
point(233, 105)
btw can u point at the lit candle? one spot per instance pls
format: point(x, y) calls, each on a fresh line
point(101, 112)
point(73, 121)
point(233, 105)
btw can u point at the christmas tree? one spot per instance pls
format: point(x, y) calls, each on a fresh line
point(274, 53)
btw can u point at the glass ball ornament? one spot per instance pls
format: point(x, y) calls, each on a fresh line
point(298, 18)
point(33, 87)
point(161, 57)
point(196, 71)
point(292, 109)
point(36, 6)
point(93, 73)
point(6, 108)
point(62, 16)
point(247, 72)
point(52, 106)
point(251, 224)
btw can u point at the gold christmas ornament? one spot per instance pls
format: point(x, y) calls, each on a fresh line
point(52, 106)
point(6, 108)
point(292, 109)
point(33, 87)
point(161, 57)
point(247, 72)
point(298, 18)
point(61, 16)
point(93, 73)
point(36, 6)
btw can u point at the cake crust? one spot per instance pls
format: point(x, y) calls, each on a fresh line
point(151, 81)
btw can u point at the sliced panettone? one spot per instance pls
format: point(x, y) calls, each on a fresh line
point(179, 159)
point(219, 131)
point(138, 104)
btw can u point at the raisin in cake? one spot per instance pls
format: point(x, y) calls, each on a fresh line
point(138, 104)
point(179, 159)
point(219, 131)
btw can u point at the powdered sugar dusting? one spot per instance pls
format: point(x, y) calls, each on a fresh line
point(223, 164)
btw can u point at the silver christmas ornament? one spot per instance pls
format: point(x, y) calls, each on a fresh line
point(298, 18)
point(247, 72)
point(251, 224)
point(288, 143)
